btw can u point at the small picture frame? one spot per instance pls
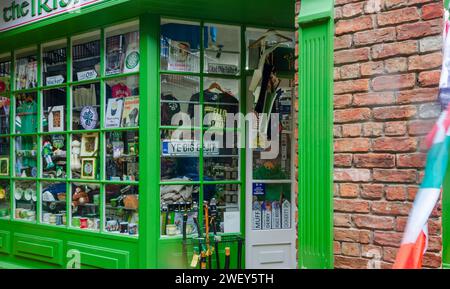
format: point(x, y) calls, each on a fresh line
point(88, 168)
point(89, 145)
point(4, 166)
point(56, 118)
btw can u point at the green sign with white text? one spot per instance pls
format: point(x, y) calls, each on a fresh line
point(16, 13)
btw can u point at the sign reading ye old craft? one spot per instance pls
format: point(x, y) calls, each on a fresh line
point(15, 13)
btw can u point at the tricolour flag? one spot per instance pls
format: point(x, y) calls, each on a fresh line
point(415, 238)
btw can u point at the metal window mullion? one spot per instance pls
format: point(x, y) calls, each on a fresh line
point(101, 135)
point(201, 100)
point(243, 134)
point(39, 96)
point(67, 134)
point(12, 109)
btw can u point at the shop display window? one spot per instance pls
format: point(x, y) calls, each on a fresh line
point(26, 156)
point(86, 106)
point(122, 49)
point(176, 201)
point(122, 156)
point(122, 102)
point(200, 155)
point(4, 199)
point(4, 156)
point(223, 207)
point(26, 113)
point(180, 155)
point(25, 200)
point(53, 200)
point(223, 53)
point(26, 69)
point(179, 97)
point(180, 45)
point(86, 56)
point(122, 209)
point(5, 75)
point(54, 110)
point(54, 63)
point(54, 156)
point(84, 158)
point(5, 84)
point(85, 206)
point(77, 134)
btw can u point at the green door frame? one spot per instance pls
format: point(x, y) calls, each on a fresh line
point(315, 127)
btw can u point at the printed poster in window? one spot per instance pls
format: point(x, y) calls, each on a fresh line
point(178, 56)
point(114, 112)
point(130, 115)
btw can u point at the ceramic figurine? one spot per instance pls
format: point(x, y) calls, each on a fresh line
point(75, 163)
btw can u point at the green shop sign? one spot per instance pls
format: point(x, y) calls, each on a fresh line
point(15, 13)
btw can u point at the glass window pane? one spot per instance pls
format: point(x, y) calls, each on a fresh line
point(86, 107)
point(122, 209)
point(179, 94)
point(122, 102)
point(283, 58)
point(53, 199)
point(25, 200)
point(221, 156)
point(224, 49)
point(26, 153)
point(54, 110)
point(26, 69)
point(180, 45)
point(5, 75)
point(26, 113)
point(54, 61)
point(54, 156)
point(180, 155)
point(221, 97)
point(177, 200)
point(122, 48)
point(122, 156)
point(5, 105)
point(278, 165)
point(4, 156)
point(4, 198)
point(223, 204)
point(86, 56)
point(271, 208)
point(84, 162)
point(85, 206)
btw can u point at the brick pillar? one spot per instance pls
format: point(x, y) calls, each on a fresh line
point(387, 68)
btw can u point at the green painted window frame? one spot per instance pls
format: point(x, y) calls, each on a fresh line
point(39, 134)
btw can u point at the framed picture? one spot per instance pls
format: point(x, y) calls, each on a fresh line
point(89, 145)
point(4, 166)
point(114, 112)
point(56, 118)
point(88, 168)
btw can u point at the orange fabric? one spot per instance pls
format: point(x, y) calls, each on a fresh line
point(410, 255)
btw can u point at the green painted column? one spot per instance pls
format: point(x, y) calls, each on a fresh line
point(149, 142)
point(315, 177)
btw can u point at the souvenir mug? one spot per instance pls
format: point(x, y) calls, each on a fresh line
point(59, 219)
point(84, 223)
point(132, 229)
point(76, 222)
point(124, 227)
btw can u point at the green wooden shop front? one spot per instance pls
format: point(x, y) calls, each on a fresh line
point(89, 171)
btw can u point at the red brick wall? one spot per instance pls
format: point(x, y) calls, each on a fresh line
point(387, 67)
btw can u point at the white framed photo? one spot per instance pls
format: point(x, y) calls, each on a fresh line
point(56, 118)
